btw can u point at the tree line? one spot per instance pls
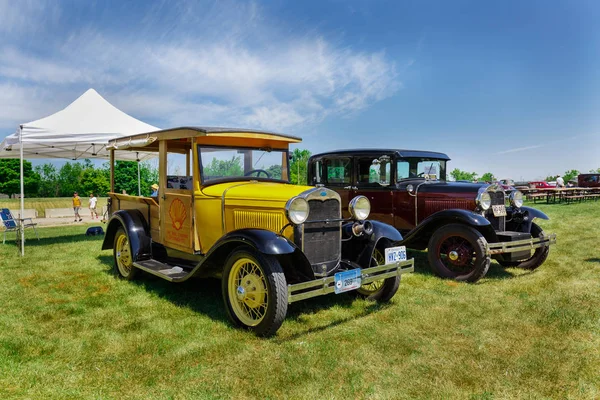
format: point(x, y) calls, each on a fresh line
point(84, 177)
point(460, 175)
point(47, 180)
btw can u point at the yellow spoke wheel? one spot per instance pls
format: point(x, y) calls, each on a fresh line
point(255, 291)
point(248, 292)
point(123, 256)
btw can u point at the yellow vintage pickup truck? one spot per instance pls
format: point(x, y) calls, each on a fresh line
point(234, 215)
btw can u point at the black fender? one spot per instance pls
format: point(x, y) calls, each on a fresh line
point(522, 218)
point(137, 230)
point(418, 238)
point(534, 213)
point(359, 249)
point(296, 266)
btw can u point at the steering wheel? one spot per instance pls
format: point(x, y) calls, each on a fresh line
point(258, 172)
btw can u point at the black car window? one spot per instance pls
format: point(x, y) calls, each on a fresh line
point(374, 172)
point(339, 171)
point(420, 167)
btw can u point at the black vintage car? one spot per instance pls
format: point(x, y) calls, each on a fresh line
point(463, 225)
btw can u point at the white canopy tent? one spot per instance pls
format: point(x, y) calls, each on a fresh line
point(81, 130)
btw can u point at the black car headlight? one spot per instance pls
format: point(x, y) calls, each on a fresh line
point(516, 199)
point(359, 208)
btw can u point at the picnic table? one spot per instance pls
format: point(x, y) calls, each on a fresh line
point(567, 194)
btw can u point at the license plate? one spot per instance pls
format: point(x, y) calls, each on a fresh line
point(395, 254)
point(499, 210)
point(347, 280)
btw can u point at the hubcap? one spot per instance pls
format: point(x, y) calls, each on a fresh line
point(453, 255)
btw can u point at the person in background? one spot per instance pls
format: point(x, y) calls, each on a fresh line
point(560, 182)
point(92, 205)
point(154, 190)
point(76, 206)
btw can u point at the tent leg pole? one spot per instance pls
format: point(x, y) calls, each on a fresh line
point(139, 180)
point(22, 192)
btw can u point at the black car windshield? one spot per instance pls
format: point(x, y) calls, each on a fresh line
point(229, 163)
point(410, 168)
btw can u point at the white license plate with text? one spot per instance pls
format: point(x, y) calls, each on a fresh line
point(395, 254)
point(499, 210)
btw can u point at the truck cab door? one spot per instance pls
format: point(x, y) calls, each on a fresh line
point(175, 202)
point(404, 200)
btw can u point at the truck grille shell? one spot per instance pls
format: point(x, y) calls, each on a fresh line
point(322, 241)
point(499, 223)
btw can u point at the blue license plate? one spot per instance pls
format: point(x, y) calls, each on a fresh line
point(347, 280)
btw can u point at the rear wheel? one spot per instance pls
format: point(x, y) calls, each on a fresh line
point(382, 290)
point(539, 255)
point(255, 291)
point(458, 252)
point(123, 258)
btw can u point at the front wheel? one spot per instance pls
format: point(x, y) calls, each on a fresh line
point(123, 258)
point(255, 291)
point(382, 290)
point(539, 255)
point(458, 252)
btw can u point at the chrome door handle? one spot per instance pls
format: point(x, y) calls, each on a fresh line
point(347, 187)
point(354, 188)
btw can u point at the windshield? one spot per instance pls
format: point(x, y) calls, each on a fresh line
point(430, 168)
point(222, 163)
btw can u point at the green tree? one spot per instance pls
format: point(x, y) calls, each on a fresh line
point(69, 178)
point(274, 171)
point(10, 173)
point(298, 165)
point(95, 181)
point(551, 178)
point(570, 175)
point(49, 185)
point(459, 175)
point(595, 171)
point(488, 177)
point(223, 168)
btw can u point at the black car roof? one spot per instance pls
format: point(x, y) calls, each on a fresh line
point(374, 152)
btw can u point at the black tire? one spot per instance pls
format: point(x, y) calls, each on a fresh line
point(539, 255)
point(123, 260)
point(467, 244)
point(255, 291)
point(383, 290)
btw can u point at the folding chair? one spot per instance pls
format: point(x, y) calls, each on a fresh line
point(10, 224)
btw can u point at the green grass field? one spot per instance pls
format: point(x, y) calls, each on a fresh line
point(41, 204)
point(70, 329)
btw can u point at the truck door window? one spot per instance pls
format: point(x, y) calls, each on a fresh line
point(339, 171)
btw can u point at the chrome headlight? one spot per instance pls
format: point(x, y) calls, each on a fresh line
point(359, 208)
point(296, 210)
point(484, 201)
point(516, 199)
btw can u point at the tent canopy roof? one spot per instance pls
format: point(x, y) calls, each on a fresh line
point(81, 130)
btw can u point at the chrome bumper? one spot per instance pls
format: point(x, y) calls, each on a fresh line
point(520, 245)
point(319, 287)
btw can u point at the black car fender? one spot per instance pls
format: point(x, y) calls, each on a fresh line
point(418, 238)
point(359, 249)
point(520, 220)
point(534, 213)
point(295, 264)
point(135, 226)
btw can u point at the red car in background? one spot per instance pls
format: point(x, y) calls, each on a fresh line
point(541, 185)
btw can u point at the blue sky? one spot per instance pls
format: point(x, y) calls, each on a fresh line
point(509, 87)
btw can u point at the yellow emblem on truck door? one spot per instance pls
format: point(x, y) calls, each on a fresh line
point(178, 214)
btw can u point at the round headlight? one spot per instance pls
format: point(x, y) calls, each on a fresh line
point(484, 200)
point(359, 208)
point(516, 199)
point(296, 210)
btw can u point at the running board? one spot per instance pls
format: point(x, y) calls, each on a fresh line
point(166, 271)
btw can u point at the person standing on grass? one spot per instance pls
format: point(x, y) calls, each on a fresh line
point(560, 182)
point(93, 201)
point(76, 206)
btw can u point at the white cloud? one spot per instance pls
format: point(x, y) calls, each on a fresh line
point(185, 65)
point(518, 149)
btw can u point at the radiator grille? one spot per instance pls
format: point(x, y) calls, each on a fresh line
point(322, 242)
point(272, 221)
point(499, 223)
